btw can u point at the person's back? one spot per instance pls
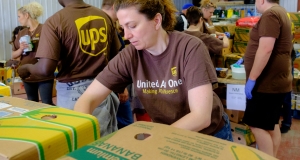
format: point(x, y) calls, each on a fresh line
point(87, 38)
point(80, 39)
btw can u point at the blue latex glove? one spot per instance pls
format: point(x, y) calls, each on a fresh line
point(249, 87)
point(238, 63)
point(227, 34)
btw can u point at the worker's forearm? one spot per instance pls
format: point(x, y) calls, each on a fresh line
point(17, 53)
point(261, 59)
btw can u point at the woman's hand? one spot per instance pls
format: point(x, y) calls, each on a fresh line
point(23, 45)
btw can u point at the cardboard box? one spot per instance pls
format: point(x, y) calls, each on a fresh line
point(239, 47)
point(228, 50)
point(36, 131)
point(222, 72)
point(235, 115)
point(18, 86)
point(296, 85)
point(226, 28)
point(153, 141)
point(242, 134)
point(230, 59)
point(297, 63)
point(295, 18)
point(242, 34)
point(5, 90)
point(6, 75)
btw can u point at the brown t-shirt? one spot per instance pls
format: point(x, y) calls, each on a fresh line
point(82, 38)
point(213, 44)
point(276, 76)
point(162, 82)
point(29, 58)
point(207, 27)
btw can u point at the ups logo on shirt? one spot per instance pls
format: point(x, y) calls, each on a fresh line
point(174, 71)
point(92, 32)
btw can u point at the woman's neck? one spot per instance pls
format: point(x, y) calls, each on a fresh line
point(33, 24)
point(161, 43)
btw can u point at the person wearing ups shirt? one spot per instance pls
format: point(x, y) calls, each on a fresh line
point(268, 71)
point(35, 84)
point(79, 40)
point(171, 71)
point(214, 45)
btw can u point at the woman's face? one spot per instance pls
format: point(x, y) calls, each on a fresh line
point(141, 32)
point(22, 18)
point(208, 12)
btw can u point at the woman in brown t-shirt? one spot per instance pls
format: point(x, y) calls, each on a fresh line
point(27, 16)
point(171, 72)
point(207, 9)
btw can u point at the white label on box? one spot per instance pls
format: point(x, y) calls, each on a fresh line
point(4, 105)
point(4, 113)
point(236, 98)
point(17, 109)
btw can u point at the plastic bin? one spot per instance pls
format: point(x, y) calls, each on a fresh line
point(238, 73)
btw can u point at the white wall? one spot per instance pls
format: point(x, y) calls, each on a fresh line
point(9, 19)
point(289, 5)
point(8, 16)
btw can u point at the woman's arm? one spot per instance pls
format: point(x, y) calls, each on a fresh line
point(200, 101)
point(94, 95)
point(17, 53)
point(225, 41)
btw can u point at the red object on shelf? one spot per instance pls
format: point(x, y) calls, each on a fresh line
point(247, 21)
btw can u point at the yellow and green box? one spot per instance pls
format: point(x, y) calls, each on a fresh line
point(226, 28)
point(239, 47)
point(5, 91)
point(6, 75)
point(36, 131)
point(242, 34)
point(243, 131)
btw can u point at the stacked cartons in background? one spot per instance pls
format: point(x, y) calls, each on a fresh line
point(220, 59)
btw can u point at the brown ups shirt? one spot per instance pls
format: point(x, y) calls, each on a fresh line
point(213, 44)
point(82, 38)
point(276, 76)
point(162, 82)
point(30, 57)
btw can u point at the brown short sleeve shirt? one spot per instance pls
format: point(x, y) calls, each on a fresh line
point(162, 82)
point(82, 38)
point(29, 57)
point(276, 77)
point(213, 44)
